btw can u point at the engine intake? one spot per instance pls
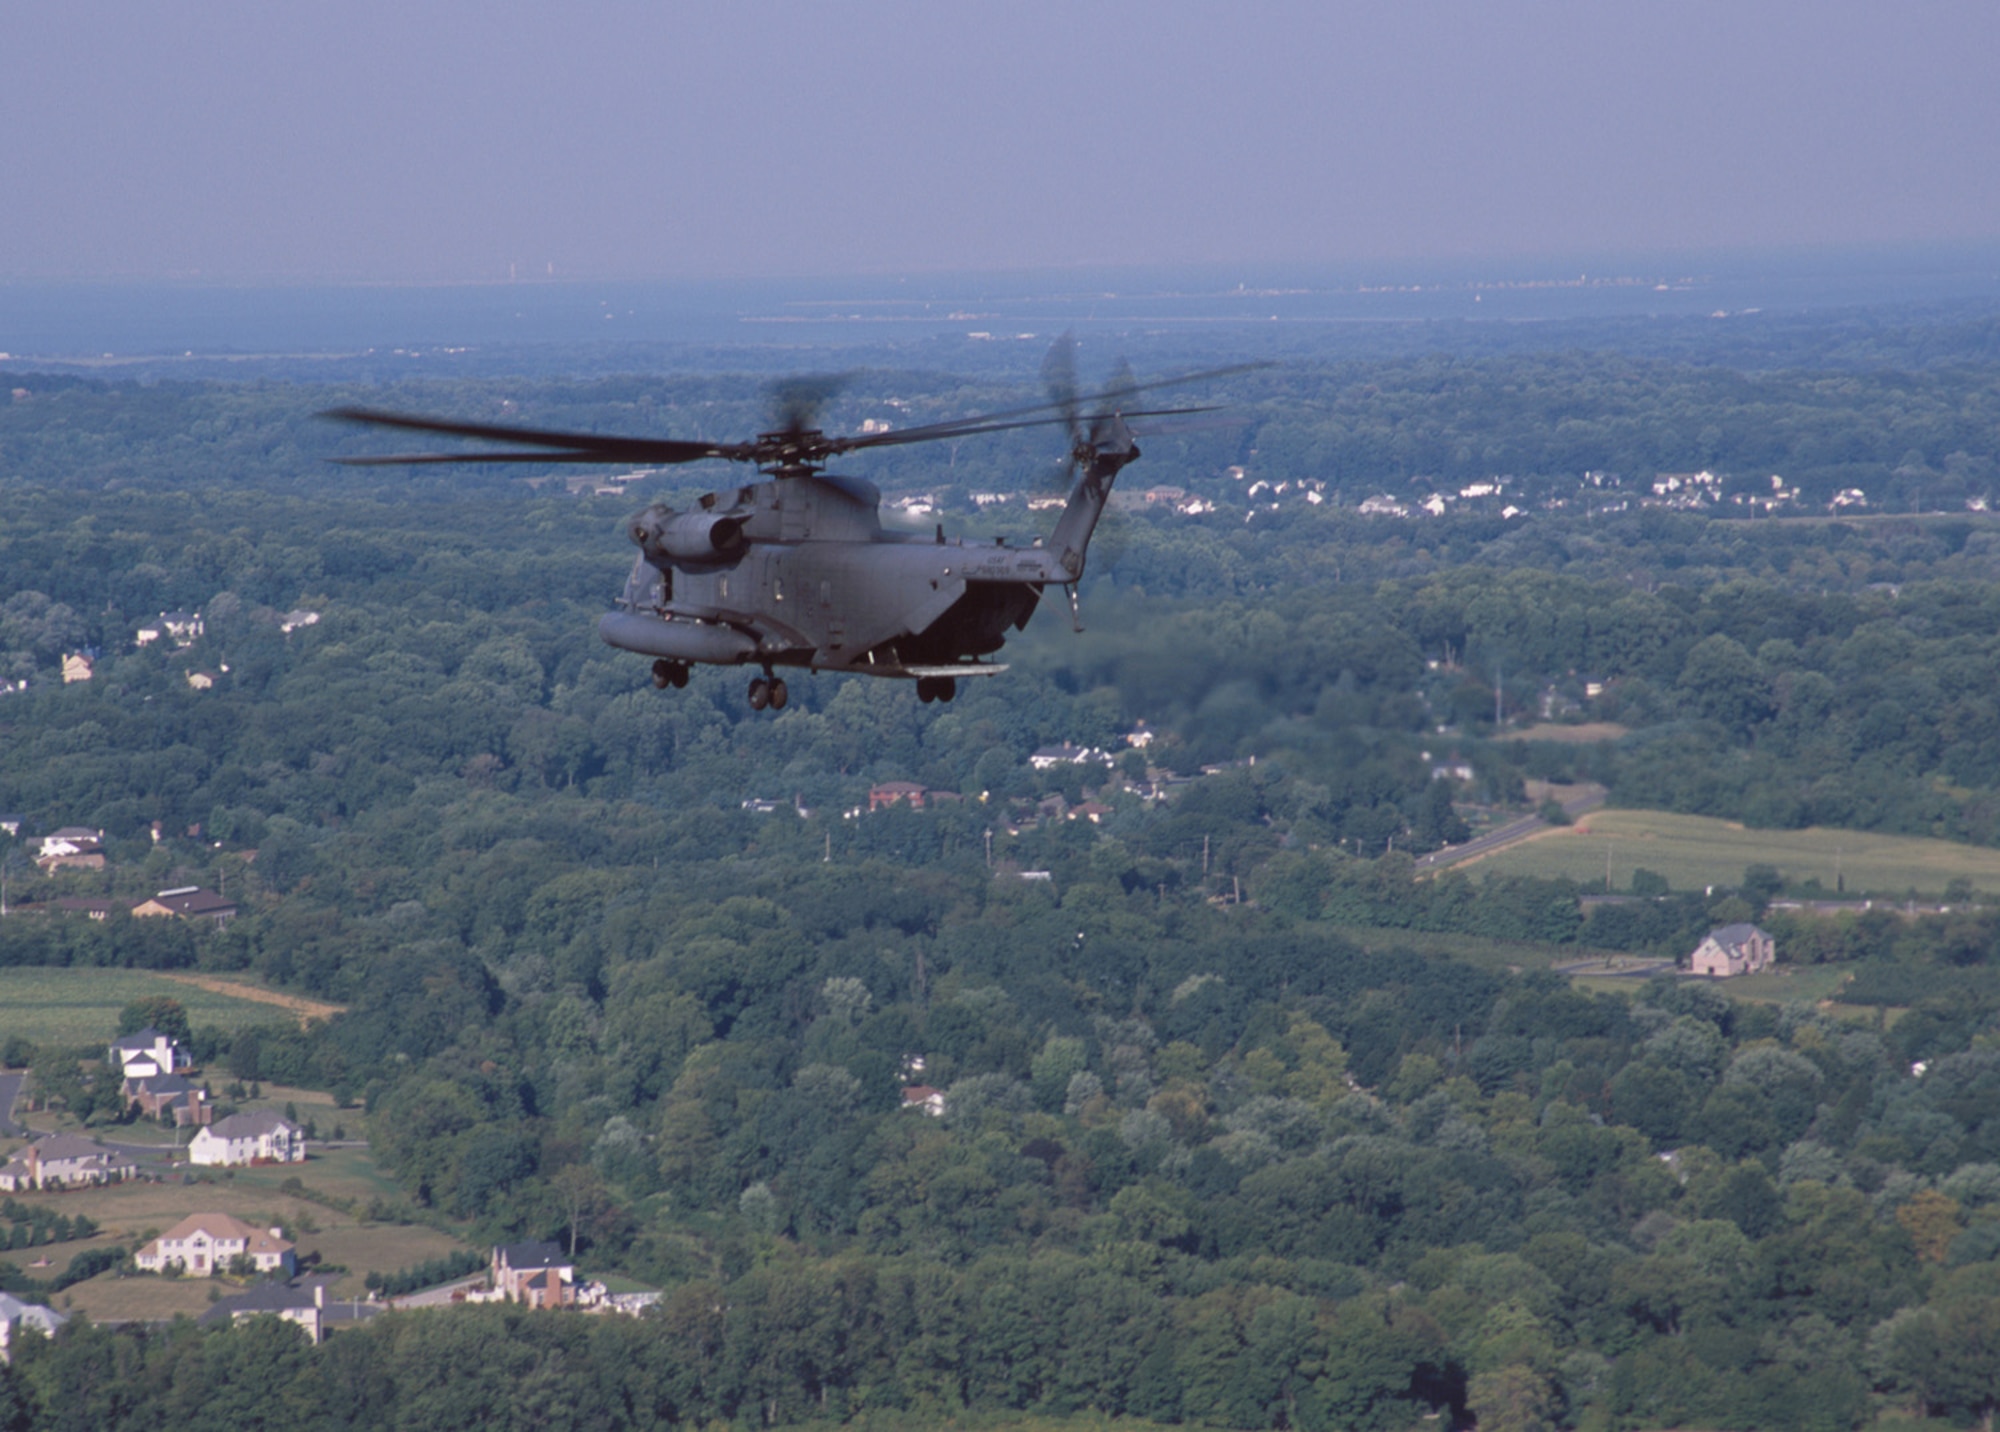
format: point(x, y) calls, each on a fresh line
point(689, 539)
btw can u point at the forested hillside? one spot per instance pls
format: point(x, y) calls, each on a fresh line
point(1227, 1138)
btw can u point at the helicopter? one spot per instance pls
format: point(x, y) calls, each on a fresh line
point(797, 571)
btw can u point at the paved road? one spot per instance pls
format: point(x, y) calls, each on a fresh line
point(1503, 836)
point(10, 1090)
point(439, 1296)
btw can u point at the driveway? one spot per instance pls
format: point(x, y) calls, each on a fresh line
point(1506, 835)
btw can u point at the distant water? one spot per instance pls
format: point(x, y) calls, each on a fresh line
point(85, 322)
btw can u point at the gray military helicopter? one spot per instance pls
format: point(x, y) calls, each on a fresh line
point(797, 570)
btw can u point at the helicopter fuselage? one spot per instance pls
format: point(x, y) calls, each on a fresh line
point(808, 577)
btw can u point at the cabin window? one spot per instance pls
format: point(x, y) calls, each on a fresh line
point(826, 593)
point(777, 589)
point(722, 588)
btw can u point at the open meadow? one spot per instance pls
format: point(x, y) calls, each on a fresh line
point(74, 1007)
point(1693, 852)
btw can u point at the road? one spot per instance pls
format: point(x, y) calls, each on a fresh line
point(1503, 836)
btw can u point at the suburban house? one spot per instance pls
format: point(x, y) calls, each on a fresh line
point(183, 627)
point(147, 1053)
point(170, 1098)
point(308, 1306)
point(256, 1137)
point(76, 666)
point(892, 792)
point(85, 906)
point(17, 1316)
point(204, 1244)
point(1733, 950)
point(925, 1099)
point(187, 902)
point(534, 1273)
point(74, 847)
point(63, 1161)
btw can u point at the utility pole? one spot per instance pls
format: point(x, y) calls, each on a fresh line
point(1204, 857)
point(989, 847)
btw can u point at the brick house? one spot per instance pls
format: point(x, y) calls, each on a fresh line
point(534, 1273)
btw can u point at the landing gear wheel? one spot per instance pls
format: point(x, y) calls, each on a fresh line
point(681, 674)
point(760, 693)
point(936, 688)
point(663, 673)
point(947, 687)
point(926, 691)
point(779, 696)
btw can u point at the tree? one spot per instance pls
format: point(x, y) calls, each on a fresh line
point(161, 1012)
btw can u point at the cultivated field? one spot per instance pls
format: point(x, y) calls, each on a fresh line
point(80, 1006)
point(1693, 852)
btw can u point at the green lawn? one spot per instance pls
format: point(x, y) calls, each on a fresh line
point(1693, 852)
point(80, 1006)
point(1508, 956)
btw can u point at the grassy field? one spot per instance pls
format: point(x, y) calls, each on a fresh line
point(1693, 852)
point(1787, 984)
point(80, 1006)
point(1499, 956)
point(138, 1210)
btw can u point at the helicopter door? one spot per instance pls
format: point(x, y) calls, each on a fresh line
point(836, 629)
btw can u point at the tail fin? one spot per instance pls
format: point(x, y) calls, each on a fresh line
point(1108, 449)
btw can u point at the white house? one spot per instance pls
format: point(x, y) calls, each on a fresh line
point(257, 1137)
point(74, 847)
point(17, 1316)
point(204, 1244)
point(147, 1054)
point(1733, 950)
point(63, 1161)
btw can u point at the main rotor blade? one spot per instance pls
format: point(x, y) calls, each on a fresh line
point(942, 430)
point(998, 421)
point(569, 447)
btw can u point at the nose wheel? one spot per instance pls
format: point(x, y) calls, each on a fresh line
point(936, 688)
point(670, 673)
point(768, 692)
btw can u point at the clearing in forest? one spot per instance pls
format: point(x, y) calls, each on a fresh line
point(1693, 852)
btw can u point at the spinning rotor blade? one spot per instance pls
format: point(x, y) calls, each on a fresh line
point(795, 446)
point(560, 446)
point(1034, 415)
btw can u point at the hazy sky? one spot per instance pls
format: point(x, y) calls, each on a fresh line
point(449, 139)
